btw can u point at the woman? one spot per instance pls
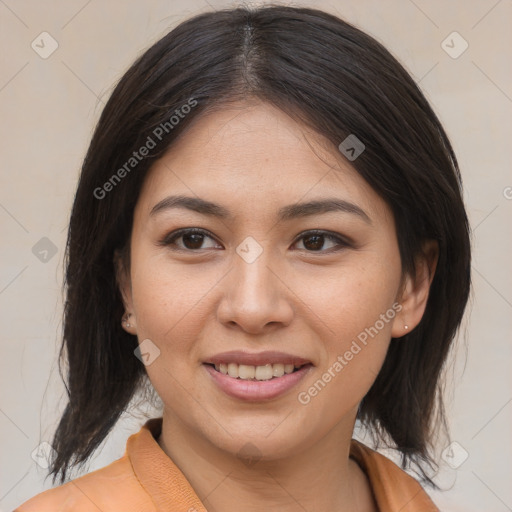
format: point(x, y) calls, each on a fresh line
point(269, 228)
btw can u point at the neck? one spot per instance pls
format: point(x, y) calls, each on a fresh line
point(321, 477)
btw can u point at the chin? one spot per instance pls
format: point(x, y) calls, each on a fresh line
point(267, 443)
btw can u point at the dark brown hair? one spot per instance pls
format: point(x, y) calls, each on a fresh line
point(335, 78)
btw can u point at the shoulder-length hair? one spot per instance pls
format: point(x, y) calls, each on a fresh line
point(336, 79)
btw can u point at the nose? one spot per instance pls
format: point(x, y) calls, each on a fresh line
point(255, 297)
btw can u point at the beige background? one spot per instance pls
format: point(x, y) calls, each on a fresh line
point(48, 108)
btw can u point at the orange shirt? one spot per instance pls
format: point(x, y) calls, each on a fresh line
point(146, 480)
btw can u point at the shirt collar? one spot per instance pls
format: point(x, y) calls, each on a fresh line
point(170, 490)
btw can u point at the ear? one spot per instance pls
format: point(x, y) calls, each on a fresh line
point(414, 291)
point(129, 321)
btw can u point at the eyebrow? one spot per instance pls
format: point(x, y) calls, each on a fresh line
point(285, 213)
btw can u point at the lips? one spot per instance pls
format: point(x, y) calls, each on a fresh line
point(257, 359)
point(261, 372)
point(256, 376)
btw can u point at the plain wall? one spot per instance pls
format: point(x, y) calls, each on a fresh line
point(48, 108)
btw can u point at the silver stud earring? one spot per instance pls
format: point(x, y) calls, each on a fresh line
point(406, 327)
point(125, 320)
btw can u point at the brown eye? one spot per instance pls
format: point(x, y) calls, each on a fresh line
point(193, 240)
point(189, 240)
point(316, 241)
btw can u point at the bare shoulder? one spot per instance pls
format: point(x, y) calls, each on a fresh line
point(113, 488)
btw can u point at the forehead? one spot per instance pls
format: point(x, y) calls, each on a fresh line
point(255, 151)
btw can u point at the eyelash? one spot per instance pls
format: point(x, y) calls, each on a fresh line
point(170, 239)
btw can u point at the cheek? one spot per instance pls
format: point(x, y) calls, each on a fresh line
point(354, 348)
point(167, 300)
point(169, 310)
point(351, 298)
point(356, 309)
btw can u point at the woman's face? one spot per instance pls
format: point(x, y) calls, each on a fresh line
point(270, 280)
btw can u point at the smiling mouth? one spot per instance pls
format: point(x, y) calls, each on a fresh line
point(256, 373)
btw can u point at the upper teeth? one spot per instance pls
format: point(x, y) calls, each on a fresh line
point(246, 372)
